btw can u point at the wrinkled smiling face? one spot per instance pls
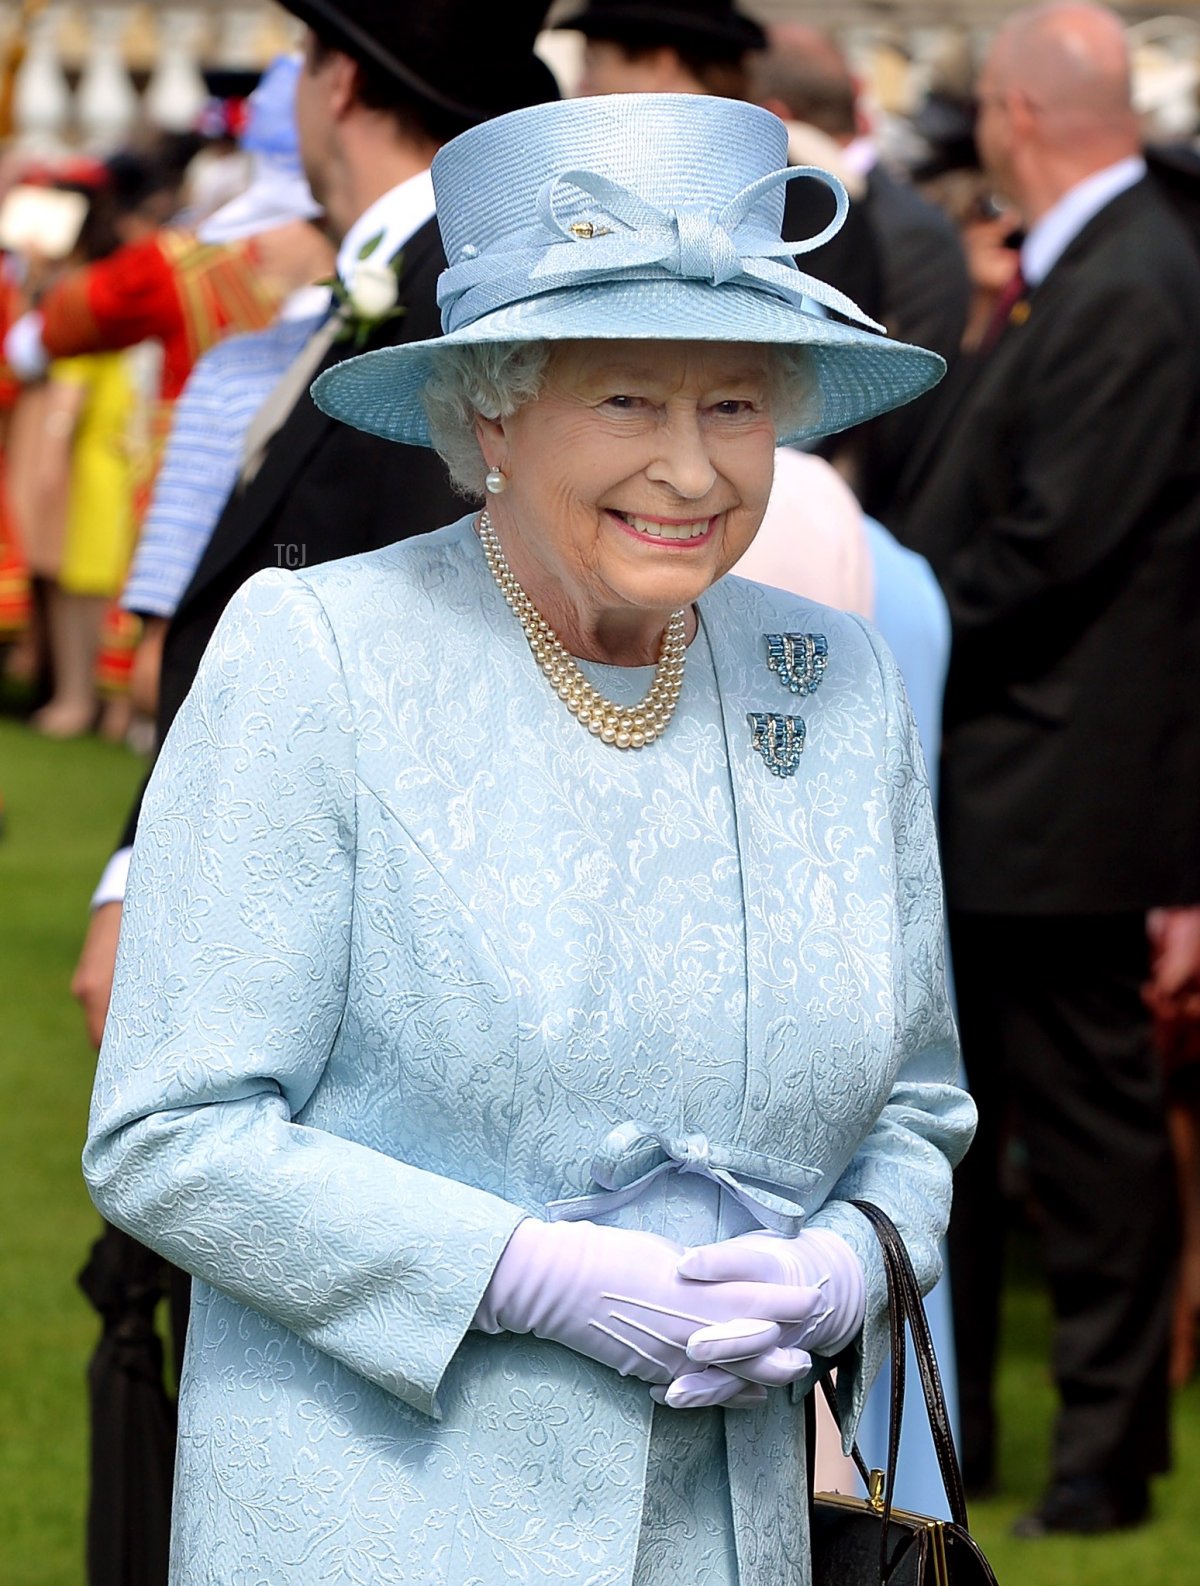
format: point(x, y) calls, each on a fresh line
point(639, 474)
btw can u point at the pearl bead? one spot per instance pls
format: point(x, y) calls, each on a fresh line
point(608, 733)
point(637, 737)
point(624, 738)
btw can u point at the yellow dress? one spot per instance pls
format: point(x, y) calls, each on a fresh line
point(100, 522)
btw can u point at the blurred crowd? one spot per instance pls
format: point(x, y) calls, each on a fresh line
point(1027, 537)
point(118, 275)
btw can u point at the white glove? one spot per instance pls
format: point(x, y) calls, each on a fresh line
point(616, 1296)
point(817, 1262)
point(816, 1258)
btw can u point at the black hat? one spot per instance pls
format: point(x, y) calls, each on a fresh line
point(466, 59)
point(711, 27)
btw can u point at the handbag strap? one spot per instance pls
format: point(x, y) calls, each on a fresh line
point(896, 1322)
point(906, 1314)
point(904, 1299)
point(860, 1464)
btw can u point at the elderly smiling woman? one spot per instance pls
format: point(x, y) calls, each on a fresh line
point(534, 937)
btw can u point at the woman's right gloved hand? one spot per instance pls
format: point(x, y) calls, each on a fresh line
point(615, 1295)
point(817, 1261)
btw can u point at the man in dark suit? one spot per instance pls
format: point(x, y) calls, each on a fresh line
point(381, 89)
point(1061, 512)
point(898, 257)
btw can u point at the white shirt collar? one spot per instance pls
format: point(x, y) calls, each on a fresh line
point(1054, 233)
point(399, 215)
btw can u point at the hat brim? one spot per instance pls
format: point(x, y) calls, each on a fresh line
point(859, 374)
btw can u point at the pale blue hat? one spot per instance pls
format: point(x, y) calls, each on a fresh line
point(630, 217)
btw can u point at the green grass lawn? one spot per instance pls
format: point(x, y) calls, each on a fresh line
point(1165, 1553)
point(65, 803)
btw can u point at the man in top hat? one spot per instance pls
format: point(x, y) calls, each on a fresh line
point(381, 89)
point(665, 48)
point(379, 92)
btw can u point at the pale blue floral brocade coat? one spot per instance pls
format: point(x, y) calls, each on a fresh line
point(405, 953)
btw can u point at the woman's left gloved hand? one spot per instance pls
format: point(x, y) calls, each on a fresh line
point(814, 1258)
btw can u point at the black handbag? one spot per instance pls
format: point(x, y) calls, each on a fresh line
point(866, 1541)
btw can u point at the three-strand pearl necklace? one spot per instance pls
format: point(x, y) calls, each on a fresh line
point(623, 726)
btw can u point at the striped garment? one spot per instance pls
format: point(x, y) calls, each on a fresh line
point(200, 467)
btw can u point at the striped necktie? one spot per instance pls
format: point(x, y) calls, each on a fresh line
point(283, 396)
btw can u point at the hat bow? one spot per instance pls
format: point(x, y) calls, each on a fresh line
point(629, 237)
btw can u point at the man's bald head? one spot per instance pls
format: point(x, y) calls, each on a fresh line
point(1071, 60)
point(1055, 102)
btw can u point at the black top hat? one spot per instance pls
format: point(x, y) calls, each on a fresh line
point(465, 59)
point(712, 27)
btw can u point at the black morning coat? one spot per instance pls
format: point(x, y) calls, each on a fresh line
point(1060, 507)
point(324, 490)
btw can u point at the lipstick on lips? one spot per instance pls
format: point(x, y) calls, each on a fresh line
point(673, 532)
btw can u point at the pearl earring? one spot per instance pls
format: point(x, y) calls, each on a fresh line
point(496, 481)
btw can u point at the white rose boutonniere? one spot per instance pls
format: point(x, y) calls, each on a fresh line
point(372, 290)
point(370, 296)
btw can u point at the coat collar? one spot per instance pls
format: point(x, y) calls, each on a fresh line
point(1050, 238)
point(1113, 215)
point(395, 219)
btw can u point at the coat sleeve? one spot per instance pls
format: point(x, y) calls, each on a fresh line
point(117, 302)
point(230, 990)
point(904, 1165)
